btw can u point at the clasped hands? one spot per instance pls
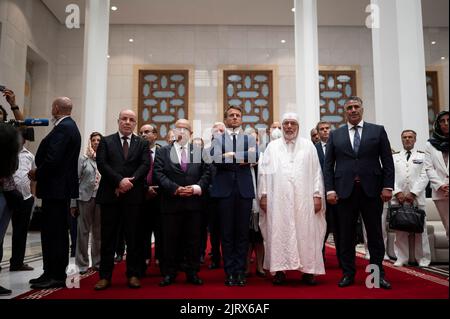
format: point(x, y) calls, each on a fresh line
point(124, 186)
point(185, 191)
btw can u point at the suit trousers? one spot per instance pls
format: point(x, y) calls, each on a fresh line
point(112, 215)
point(55, 237)
point(88, 223)
point(348, 210)
point(151, 223)
point(181, 235)
point(5, 217)
point(234, 214)
point(20, 221)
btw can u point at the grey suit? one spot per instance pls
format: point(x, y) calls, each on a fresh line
point(89, 215)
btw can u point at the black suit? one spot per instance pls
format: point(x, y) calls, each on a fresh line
point(57, 182)
point(113, 166)
point(330, 213)
point(358, 179)
point(180, 216)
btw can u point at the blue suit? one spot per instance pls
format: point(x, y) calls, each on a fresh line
point(358, 179)
point(233, 187)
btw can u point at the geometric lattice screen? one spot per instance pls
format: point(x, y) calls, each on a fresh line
point(432, 97)
point(335, 88)
point(253, 92)
point(163, 99)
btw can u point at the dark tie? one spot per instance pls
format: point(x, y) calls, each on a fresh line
point(150, 172)
point(356, 140)
point(125, 146)
point(408, 155)
point(183, 162)
point(234, 146)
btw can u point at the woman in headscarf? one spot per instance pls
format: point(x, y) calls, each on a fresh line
point(436, 165)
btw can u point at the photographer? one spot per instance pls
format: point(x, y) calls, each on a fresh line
point(22, 199)
point(8, 165)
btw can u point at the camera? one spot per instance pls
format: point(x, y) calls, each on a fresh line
point(23, 127)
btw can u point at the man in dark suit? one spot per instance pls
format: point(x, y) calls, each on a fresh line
point(183, 177)
point(359, 177)
point(122, 159)
point(323, 129)
point(56, 174)
point(151, 214)
point(232, 154)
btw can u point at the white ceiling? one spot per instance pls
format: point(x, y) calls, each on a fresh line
point(243, 12)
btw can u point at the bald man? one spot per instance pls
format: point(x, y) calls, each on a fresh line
point(184, 178)
point(123, 161)
point(57, 182)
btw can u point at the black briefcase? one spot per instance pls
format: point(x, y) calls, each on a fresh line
point(406, 218)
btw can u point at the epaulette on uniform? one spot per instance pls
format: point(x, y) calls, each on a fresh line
point(394, 152)
point(421, 152)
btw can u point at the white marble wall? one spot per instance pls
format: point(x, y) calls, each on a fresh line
point(28, 25)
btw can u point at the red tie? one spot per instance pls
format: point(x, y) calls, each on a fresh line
point(125, 146)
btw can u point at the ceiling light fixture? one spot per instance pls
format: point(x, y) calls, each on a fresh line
point(293, 9)
point(283, 41)
point(443, 57)
point(108, 56)
point(114, 8)
point(131, 40)
point(433, 42)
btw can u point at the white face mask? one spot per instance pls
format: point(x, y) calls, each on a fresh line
point(276, 134)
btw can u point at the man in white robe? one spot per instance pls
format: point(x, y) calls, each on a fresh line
point(292, 199)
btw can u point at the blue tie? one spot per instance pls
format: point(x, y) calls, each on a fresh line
point(357, 140)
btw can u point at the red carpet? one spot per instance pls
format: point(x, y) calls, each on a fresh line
point(407, 283)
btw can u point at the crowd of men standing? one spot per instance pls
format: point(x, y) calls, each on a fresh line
point(300, 192)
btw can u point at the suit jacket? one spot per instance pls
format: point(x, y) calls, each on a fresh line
point(170, 176)
point(227, 172)
point(87, 171)
point(114, 167)
point(320, 154)
point(57, 160)
point(373, 163)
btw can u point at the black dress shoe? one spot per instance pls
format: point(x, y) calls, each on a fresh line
point(229, 281)
point(4, 291)
point(39, 279)
point(51, 283)
point(214, 265)
point(279, 278)
point(261, 274)
point(167, 280)
point(194, 279)
point(346, 281)
point(24, 267)
point(309, 279)
point(240, 280)
point(385, 284)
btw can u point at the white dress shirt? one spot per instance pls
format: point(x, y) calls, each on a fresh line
point(26, 163)
point(56, 122)
point(324, 147)
point(351, 131)
point(128, 140)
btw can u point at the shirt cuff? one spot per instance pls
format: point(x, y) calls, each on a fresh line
point(331, 192)
point(388, 188)
point(197, 190)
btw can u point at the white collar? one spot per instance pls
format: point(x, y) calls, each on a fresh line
point(121, 135)
point(178, 146)
point(360, 124)
point(231, 131)
point(60, 120)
